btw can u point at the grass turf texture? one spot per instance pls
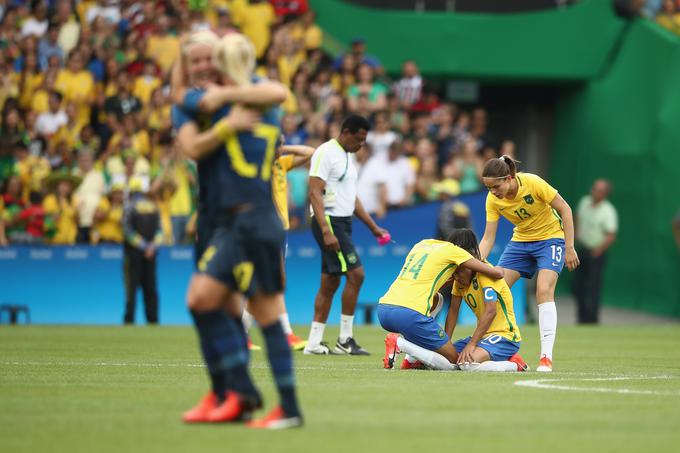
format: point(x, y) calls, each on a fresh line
point(101, 389)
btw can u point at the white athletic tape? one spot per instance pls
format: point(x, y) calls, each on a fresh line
point(551, 384)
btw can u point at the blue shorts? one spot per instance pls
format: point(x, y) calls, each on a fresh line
point(528, 257)
point(413, 326)
point(499, 348)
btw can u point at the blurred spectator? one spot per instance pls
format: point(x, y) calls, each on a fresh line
point(371, 186)
point(108, 9)
point(408, 88)
point(596, 227)
point(3, 236)
point(668, 16)
point(467, 168)
point(37, 23)
point(399, 177)
point(141, 228)
point(32, 221)
point(289, 8)
point(76, 84)
point(108, 217)
point(358, 52)
point(374, 92)
point(88, 194)
point(60, 204)
point(255, 19)
point(69, 28)
point(306, 31)
point(380, 137)
point(453, 214)
point(122, 102)
point(162, 46)
point(13, 204)
point(49, 46)
point(49, 122)
point(224, 21)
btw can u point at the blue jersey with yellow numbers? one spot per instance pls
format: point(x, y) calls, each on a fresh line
point(240, 171)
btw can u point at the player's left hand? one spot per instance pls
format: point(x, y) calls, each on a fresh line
point(466, 354)
point(571, 258)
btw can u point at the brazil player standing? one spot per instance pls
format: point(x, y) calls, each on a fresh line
point(244, 251)
point(543, 238)
point(407, 306)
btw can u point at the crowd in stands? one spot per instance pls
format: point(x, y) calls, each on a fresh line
point(85, 107)
point(665, 12)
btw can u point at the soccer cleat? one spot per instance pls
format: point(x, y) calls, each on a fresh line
point(276, 419)
point(544, 365)
point(350, 347)
point(200, 412)
point(391, 350)
point(296, 343)
point(320, 349)
point(417, 365)
point(519, 361)
point(235, 408)
point(252, 346)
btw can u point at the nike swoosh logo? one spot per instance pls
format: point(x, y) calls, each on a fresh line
point(501, 209)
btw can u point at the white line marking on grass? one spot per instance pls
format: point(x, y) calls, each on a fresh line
point(163, 365)
point(550, 384)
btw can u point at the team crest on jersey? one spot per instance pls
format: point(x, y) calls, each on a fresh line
point(441, 333)
point(352, 258)
point(529, 199)
point(475, 285)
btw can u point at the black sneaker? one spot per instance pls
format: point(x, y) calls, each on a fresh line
point(350, 347)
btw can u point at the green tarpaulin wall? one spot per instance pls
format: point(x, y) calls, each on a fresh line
point(619, 117)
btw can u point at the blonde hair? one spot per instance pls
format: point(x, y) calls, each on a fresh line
point(235, 58)
point(204, 37)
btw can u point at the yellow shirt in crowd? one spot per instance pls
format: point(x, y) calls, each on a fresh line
point(65, 219)
point(163, 49)
point(529, 211)
point(111, 228)
point(255, 22)
point(429, 264)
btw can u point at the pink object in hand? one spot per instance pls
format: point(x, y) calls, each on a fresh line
point(384, 239)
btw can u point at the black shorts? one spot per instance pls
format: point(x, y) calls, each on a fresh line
point(337, 263)
point(244, 252)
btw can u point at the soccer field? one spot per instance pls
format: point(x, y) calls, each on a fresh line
point(101, 389)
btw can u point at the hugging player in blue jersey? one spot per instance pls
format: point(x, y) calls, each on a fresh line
point(241, 243)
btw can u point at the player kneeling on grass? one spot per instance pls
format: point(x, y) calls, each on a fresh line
point(485, 350)
point(409, 304)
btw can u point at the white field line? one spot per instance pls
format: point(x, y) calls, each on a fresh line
point(552, 384)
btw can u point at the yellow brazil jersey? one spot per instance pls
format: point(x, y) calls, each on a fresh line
point(482, 290)
point(529, 211)
point(280, 187)
point(111, 228)
point(429, 264)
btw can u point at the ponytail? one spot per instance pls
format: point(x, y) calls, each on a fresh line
point(499, 168)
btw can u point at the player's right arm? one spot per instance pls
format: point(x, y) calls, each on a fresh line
point(196, 145)
point(261, 93)
point(316, 190)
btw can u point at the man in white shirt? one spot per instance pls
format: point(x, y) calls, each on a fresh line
point(382, 137)
point(596, 227)
point(371, 186)
point(333, 196)
point(48, 123)
point(400, 178)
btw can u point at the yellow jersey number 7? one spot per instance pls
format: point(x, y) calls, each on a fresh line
point(238, 160)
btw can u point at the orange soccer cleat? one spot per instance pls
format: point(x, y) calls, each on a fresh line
point(544, 365)
point(235, 408)
point(519, 361)
point(296, 343)
point(200, 412)
point(276, 419)
point(391, 350)
point(417, 365)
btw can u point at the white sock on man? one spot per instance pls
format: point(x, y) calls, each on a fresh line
point(315, 334)
point(429, 358)
point(490, 365)
point(285, 323)
point(247, 319)
point(547, 325)
point(346, 323)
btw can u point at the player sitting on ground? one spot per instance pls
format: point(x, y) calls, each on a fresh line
point(492, 329)
point(407, 306)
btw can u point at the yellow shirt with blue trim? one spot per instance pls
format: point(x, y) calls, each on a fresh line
point(529, 211)
point(280, 187)
point(483, 290)
point(429, 264)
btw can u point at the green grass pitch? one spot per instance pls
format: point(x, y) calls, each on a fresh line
point(115, 389)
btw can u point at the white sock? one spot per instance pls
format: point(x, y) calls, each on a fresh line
point(490, 365)
point(315, 334)
point(285, 323)
point(547, 324)
point(247, 320)
point(429, 358)
point(346, 323)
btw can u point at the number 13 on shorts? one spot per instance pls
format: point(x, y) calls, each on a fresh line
point(557, 255)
